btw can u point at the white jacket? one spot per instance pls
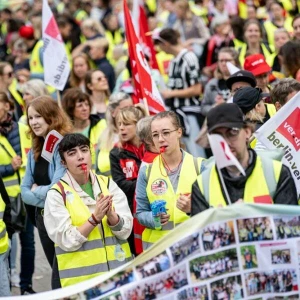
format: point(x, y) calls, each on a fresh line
point(58, 221)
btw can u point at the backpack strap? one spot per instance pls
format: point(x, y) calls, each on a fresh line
point(63, 193)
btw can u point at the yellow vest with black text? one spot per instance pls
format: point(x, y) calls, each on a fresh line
point(262, 182)
point(95, 133)
point(269, 56)
point(4, 243)
point(159, 187)
point(12, 184)
point(270, 29)
point(97, 255)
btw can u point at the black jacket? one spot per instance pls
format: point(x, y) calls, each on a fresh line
point(7, 216)
point(286, 192)
point(125, 165)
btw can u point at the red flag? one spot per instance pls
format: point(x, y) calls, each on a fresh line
point(145, 87)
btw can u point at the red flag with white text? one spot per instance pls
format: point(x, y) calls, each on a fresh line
point(145, 86)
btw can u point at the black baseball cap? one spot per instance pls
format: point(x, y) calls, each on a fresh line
point(246, 98)
point(225, 115)
point(241, 76)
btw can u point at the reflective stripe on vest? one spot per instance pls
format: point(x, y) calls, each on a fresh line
point(95, 133)
point(262, 182)
point(97, 255)
point(270, 29)
point(11, 182)
point(159, 187)
point(4, 243)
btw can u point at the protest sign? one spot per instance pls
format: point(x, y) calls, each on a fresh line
point(51, 142)
point(242, 251)
point(282, 132)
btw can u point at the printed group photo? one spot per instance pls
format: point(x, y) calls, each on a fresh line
point(217, 236)
point(113, 296)
point(249, 257)
point(227, 288)
point(275, 281)
point(281, 256)
point(213, 265)
point(255, 229)
point(287, 227)
point(185, 248)
point(193, 293)
point(160, 285)
point(155, 265)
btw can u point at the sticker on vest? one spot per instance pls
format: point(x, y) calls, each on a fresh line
point(159, 187)
point(119, 253)
point(69, 196)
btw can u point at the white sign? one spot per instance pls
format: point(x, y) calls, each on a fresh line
point(52, 140)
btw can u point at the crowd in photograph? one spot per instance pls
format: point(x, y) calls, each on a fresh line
point(287, 228)
point(228, 288)
point(281, 256)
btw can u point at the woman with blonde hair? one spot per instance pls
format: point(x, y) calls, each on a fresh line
point(92, 29)
point(109, 136)
point(43, 115)
point(97, 87)
point(125, 158)
point(81, 65)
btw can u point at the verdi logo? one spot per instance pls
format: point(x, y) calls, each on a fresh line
point(290, 128)
point(52, 30)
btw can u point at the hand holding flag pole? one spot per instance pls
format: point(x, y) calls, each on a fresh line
point(224, 158)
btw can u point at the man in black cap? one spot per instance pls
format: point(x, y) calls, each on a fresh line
point(239, 80)
point(266, 180)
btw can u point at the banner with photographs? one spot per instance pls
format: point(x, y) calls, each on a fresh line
point(243, 251)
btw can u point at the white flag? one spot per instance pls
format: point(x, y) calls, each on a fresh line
point(52, 140)
point(232, 68)
point(222, 153)
point(282, 132)
point(55, 59)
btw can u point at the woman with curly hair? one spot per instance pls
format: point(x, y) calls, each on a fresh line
point(43, 115)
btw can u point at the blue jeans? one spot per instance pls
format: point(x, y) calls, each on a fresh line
point(4, 275)
point(27, 255)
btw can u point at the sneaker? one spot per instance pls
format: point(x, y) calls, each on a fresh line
point(14, 278)
point(28, 291)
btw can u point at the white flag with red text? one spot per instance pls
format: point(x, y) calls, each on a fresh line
point(282, 132)
point(144, 84)
point(222, 153)
point(55, 59)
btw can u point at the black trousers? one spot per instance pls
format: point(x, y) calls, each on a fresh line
point(48, 247)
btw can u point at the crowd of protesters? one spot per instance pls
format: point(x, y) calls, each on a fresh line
point(115, 162)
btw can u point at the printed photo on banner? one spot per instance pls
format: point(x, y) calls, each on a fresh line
point(113, 296)
point(275, 281)
point(185, 248)
point(249, 257)
point(158, 286)
point(287, 227)
point(255, 229)
point(282, 256)
point(227, 288)
point(192, 293)
point(154, 266)
point(116, 281)
point(213, 265)
point(218, 235)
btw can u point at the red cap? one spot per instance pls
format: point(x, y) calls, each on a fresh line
point(256, 64)
point(26, 32)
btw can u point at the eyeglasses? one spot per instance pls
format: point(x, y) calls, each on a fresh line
point(164, 134)
point(224, 60)
point(230, 134)
point(9, 74)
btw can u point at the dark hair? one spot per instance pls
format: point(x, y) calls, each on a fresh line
point(70, 141)
point(295, 18)
point(253, 21)
point(170, 35)
point(171, 115)
point(71, 97)
point(291, 57)
point(276, 2)
point(283, 88)
point(4, 99)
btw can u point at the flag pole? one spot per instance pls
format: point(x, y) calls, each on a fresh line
point(58, 98)
point(224, 186)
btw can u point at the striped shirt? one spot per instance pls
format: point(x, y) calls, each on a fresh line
point(184, 72)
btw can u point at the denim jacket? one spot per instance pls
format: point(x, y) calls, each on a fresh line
point(55, 171)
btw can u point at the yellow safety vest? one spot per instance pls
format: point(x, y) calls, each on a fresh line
point(3, 234)
point(269, 56)
point(242, 8)
point(270, 29)
point(199, 11)
point(113, 40)
point(159, 187)
point(163, 60)
point(103, 163)
point(98, 255)
point(17, 96)
point(80, 15)
point(152, 6)
point(12, 183)
point(95, 134)
point(238, 44)
point(262, 182)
